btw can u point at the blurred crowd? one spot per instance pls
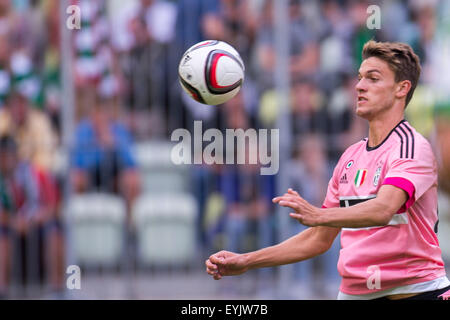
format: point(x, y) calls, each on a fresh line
point(125, 61)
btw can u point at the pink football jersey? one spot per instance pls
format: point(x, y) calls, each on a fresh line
point(406, 251)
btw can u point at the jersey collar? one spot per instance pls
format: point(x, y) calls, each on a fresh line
point(385, 139)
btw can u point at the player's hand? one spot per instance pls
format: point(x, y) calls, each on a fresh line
point(305, 213)
point(225, 263)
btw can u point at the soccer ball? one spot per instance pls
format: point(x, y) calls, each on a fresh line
point(211, 72)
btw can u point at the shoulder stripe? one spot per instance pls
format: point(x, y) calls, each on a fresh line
point(407, 141)
point(401, 143)
point(412, 138)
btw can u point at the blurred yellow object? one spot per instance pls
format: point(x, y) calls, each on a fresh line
point(268, 110)
point(215, 207)
point(442, 113)
point(419, 111)
point(35, 138)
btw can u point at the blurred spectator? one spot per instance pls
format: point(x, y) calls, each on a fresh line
point(248, 206)
point(335, 45)
point(32, 16)
point(240, 23)
point(395, 15)
point(5, 72)
point(211, 206)
point(308, 112)
point(309, 168)
point(50, 218)
point(438, 88)
point(303, 45)
point(191, 23)
point(26, 205)
point(24, 32)
point(443, 143)
point(31, 128)
point(51, 63)
point(344, 127)
point(357, 13)
point(150, 27)
point(88, 42)
point(143, 38)
point(309, 173)
point(25, 76)
point(248, 194)
point(20, 201)
point(425, 18)
point(102, 159)
point(36, 145)
point(6, 210)
point(12, 25)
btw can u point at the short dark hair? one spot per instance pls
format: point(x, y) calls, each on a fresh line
point(401, 59)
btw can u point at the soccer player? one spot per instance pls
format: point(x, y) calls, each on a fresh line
point(382, 197)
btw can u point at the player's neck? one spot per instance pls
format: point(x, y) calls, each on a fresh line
point(380, 128)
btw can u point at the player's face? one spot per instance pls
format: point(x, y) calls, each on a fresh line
point(376, 88)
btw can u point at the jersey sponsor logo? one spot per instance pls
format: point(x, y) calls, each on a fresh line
point(349, 164)
point(376, 177)
point(343, 179)
point(360, 177)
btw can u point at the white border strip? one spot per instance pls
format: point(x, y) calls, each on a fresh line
point(398, 218)
point(358, 197)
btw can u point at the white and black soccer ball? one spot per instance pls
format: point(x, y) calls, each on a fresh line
point(211, 72)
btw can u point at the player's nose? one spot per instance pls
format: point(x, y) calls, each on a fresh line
point(361, 85)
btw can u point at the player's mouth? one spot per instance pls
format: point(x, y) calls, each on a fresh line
point(362, 99)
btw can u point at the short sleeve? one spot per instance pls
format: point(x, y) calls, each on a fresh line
point(332, 197)
point(414, 176)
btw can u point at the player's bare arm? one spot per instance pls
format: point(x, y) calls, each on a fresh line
point(374, 212)
point(307, 244)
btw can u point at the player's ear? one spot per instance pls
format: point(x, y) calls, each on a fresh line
point(403, 88)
